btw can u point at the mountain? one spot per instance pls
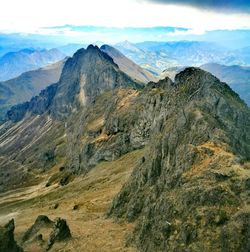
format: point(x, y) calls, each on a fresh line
point(27, 85)
point(193, 53)
point(128, 66)
point(243, 54)
point(13, 64)
point(237, 77)
point(80, 83)
point(169, 161)
point(190, 190)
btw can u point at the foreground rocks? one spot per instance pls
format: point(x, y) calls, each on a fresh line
point(61, 232)
point(7, 241)
point(46, 232)
point(42, 221)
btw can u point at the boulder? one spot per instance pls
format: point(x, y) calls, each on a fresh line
point(60, 232)
point(7, 240)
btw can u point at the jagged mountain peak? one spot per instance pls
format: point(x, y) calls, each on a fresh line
point(193, 81)
point(93, 50)
point(86, 75)
point(83, 58)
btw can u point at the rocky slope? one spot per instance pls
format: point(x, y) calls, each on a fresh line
point(27, 85)
point(191, 191)
point(128, 66)
point(187, 141)
point(13, 64)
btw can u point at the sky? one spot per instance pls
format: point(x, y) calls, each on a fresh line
point(136, 20)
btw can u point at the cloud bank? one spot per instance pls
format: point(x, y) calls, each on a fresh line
point(29, 16)
point(214, 5)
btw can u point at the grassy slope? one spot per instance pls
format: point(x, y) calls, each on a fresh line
point(91, 230)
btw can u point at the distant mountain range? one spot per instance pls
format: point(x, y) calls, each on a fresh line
point(13, 64)
point(27, 85)
point(157, 56)
point(153, 62)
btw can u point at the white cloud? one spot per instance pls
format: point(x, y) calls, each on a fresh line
point(31, 15)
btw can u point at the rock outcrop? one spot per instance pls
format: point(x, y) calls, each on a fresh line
point(45, 232)
point(61, 232)
point(7, 241)
point(41, 222)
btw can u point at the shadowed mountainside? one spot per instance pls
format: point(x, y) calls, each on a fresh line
point(27, 85)
point(13, 64)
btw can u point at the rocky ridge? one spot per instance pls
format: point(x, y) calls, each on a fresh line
point(191, 190)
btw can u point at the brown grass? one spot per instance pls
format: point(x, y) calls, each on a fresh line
point(219, 153)
point(93, 194)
